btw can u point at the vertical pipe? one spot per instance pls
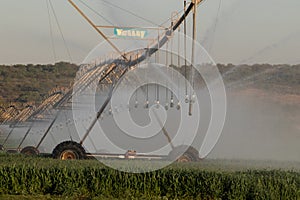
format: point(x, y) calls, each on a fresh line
point(193, 54)
point(136, 99)
point(185, 55)
point(194, 38)
point(147, 96)
point(178, 57)
point(167, 64)
point(178, 64)
point(157, 92)
point(190, 108)
point(194, 31)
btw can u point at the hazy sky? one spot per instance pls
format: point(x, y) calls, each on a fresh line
point(264, 31)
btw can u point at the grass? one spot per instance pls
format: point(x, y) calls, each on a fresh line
point(33, 178)
point(206, 164)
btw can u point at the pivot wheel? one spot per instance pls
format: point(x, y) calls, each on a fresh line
point(30, 151)
point(69, 150)
point(184, 153)
point(2, 148)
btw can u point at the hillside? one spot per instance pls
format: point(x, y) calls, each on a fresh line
point(22, 84)
point(276, 78)
point(273, 83)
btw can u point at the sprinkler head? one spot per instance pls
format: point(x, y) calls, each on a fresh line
point(136, 104)
point(146, 105)
point(178, 106)
point(157, 104)
point(186, 100)
point(190, 108)
point(167, 106)
point(193, 98)
point(172, 103)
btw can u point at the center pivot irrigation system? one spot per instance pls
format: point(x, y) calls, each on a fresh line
point(108, 73)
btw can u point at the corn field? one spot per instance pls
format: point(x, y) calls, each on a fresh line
point(89, 179)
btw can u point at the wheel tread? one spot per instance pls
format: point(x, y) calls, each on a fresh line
point(69, 145)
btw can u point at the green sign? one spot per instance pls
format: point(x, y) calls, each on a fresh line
point(130, 32)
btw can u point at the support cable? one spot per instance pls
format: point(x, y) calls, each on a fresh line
point(51, 31)
point(215, 27)
point(95, 27)
point(96, 12)
point(131, 13)
point(60, 30)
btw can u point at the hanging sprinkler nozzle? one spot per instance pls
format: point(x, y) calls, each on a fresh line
point(172, 103)
point(157, 104)
point(147, 104)
point(136, 104)
point(190, 108)
point(186, 100)
point(178, 106)
point(167, 106)
point(193, 98)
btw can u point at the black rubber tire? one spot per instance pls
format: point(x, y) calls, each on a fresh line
point(69, 150)
point(184, 153)
point(2, 148)
point(30, 151)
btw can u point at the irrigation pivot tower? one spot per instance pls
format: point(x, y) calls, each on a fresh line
point(108, 73)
